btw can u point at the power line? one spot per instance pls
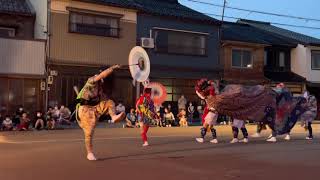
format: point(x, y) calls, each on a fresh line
point(255, 11)
point(275, 23)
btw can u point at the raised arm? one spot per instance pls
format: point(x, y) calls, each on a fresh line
point(105, 73)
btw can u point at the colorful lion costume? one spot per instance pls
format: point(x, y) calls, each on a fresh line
point(275, 107)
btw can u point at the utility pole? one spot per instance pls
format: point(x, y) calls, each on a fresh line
point(220, 34)
point(47, 73)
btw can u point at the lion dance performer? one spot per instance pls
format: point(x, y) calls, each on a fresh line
point(92, 103)
point(257, 103)
point(146, 113)
point(209, 117)
point(310, 114)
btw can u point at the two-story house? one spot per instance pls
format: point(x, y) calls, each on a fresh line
point(87, 36)
point(252, 51)
point(22, 58)
point(186, 45)
point(305, 59)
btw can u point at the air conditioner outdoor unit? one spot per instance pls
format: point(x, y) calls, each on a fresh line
point(147, 42)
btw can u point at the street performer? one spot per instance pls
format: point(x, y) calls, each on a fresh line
point(209, 117)
point(146, 113)
point(93, 103)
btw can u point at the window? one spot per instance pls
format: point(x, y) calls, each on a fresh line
point(7, 32)
point(315, 60)
point(183, 43)
point(265, 58)
point(241, 59)
point(282, 59)
point(90, 24)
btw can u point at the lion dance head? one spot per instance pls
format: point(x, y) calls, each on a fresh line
point(205, 87)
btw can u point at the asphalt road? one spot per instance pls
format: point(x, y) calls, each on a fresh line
point(173, 154)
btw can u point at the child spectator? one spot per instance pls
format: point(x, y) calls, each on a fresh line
point(183, 118)
point(131, 118)
point(39, 121)
point(24, 122)
point(7, 124)
point(160, 121)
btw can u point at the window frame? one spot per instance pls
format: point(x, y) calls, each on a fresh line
point(318, 52)
point(157, 50)
point(94, 16)
point(9, 29)
point(241, 67)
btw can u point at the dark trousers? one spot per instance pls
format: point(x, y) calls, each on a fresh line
point(309, 127)
point(235, 132)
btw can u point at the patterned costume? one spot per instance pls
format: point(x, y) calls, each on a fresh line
point(92, 104)
point(210, 116)
point(257, 103)
point(146, 113)
point(310, 114)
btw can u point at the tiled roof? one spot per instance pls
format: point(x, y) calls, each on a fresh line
point(170, 8)
point(245, 33)
point(294, 36)
point(287, 76)
point(20, 7)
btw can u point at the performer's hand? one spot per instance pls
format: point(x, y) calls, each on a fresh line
point(117, 66)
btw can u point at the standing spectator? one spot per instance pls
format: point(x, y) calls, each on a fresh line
point(200, 110)
point(65, 114)
point(182, 102)
point(169, 107)
point(120, 108)
point(24, 122)
point(39, 121)
point(7, 124)
point(191, 110)
point(131, 118)
point(169, 117)
point(18, 115)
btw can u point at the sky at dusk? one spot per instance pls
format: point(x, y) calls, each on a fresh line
point(301, 8)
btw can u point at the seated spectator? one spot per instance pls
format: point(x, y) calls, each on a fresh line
point(39, 121)
point(169, 117)
point(7, 124)
point(18, 115)
point(120, 108)
point(55, 113)
point(65, 114)
point(131, 119)
point(24, 123)
point(160, 120)
point(50, 120)
point(1, 119)
point(183, 122)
